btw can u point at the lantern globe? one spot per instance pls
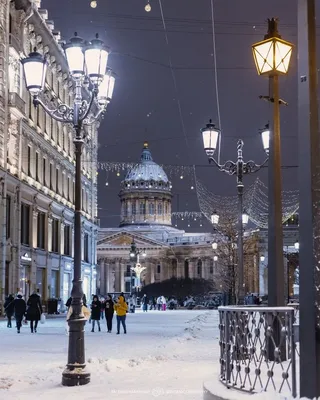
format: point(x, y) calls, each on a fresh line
point(214, 245)
point(297, 245)
point(215, 258)
point(215, 218)
point(272, 55)
point(210, 136)
point(96, 59)
point(262, 258)
point(265, 137)
point(34, 69)
point(245, 218)
point(106, 88)
point(75, 56)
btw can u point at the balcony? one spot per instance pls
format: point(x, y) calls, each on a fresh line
point(17, 105)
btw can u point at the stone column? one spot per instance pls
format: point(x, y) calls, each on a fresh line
point(263, 276)
point(117, 287)
point(192, 268)
point(62, 225)
point(49, 233)
point(122, 284)
point(34, 228)
point(152, 272)
point(102, 277)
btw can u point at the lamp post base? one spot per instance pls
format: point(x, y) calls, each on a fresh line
point(75, 376)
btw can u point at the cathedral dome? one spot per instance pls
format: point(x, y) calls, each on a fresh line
point(146, 175)
point(146, 194)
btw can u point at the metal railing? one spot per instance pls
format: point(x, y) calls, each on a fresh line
point(257, 349)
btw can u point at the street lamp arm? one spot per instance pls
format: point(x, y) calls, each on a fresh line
point(87, 106)
point(92, 119)
point(229, 167)
point(62, 113)
point(251, 167)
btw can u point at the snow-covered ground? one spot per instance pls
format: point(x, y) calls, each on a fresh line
point(165, 355)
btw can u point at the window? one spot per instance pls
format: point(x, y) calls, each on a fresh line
point(86, 247)
point(151, 208)
point(51, 176)
point(211, 266)
point(134, 209)
point(55, 235)
point(166, 208)
point(57, 180)
point(37, 167)
point(25, 224)
point(68, 189)
point(159, 208)
point(44, 161)
point(29, 161)
point(199, 267)
point(8, 218)
point(142, 208)
point(158, 269)
point(41, 223)
point(186, 269)
point(67, 240)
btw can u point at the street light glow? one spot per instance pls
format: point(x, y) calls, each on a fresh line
point(210, 135)
point(214, 246)
point(215, 218)
point(272, 55)
point(34, 68)
point(297, 245)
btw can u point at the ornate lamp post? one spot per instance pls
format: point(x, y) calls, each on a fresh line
point(272, 58)
point(137, 268)
point(210, 135)
point(87, 62)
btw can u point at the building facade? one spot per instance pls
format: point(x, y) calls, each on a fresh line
point(145, 198)
point(37, 165)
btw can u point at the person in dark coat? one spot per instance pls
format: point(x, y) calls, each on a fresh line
point(34, 311)
point(145, 302)
point(84, 301)
point(9, 309)
point(95, 312)
point(109, 311)
point(19, 310)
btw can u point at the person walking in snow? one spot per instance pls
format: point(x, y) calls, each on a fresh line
point(121, 308)
point(159, 303)
point(164, 303)
point(145, 302)
point(34, 311)
point(95, 312)
point(20, 307)
point(109, 311)
point(9, 309)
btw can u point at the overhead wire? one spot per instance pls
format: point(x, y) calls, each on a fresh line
point(173, 75)
point(216, 77)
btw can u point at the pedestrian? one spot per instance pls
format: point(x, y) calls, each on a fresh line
point(159, 303)
point(109, 311)
point(121, 308)
point(9, 309)
point(20, 307)
point(95, 312)
point(145, 302)
point(164, 303)
point(84, 301)
point(34, 311)
point(102, 301)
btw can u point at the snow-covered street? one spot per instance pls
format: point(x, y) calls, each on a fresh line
point(165, 354)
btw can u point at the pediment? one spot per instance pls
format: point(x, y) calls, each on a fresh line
point(124, 240)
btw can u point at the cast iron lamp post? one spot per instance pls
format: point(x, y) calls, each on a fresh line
point(272, 58)
point(137, 268)
point(239, 168)
point(87, 64)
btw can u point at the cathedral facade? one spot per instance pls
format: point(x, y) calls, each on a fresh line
point(166, 252)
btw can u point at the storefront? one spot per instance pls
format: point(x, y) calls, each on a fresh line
point(54, 289)
point(67, 278)
point(40, 282)
point(87, 284)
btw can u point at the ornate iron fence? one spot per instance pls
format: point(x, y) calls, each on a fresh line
point(257, 349)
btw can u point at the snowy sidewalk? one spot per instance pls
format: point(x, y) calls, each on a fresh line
point(165, 355)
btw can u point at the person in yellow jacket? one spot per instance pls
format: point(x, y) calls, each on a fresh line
point(121, 308)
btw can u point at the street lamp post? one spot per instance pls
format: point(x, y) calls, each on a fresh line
point(239, 168)
point(272, 58)
point(87, 64)
point(137, 268)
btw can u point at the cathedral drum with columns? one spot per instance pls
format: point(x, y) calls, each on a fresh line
point(165, 251)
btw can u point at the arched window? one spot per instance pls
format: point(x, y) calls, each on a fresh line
point(151, 208)
point(200, 268)
point(159, 208)
point(134, 210)
point(174, 265)
point(186, 269)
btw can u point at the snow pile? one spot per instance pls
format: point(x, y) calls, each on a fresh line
point(165, 354)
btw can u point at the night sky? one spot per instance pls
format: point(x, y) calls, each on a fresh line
point(146, 98)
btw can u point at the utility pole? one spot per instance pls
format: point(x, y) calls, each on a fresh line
point(309, 206)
